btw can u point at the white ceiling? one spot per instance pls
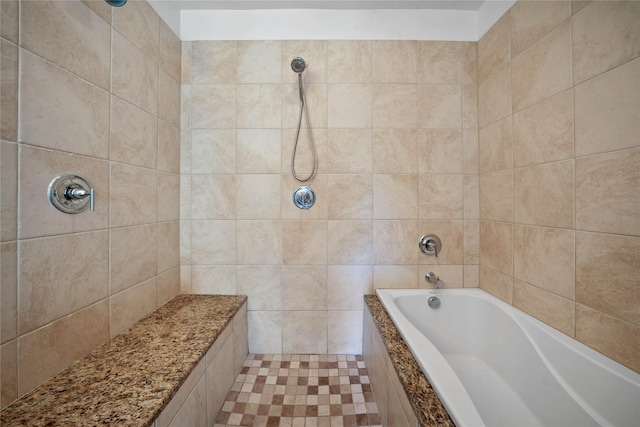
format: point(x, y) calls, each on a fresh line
point(330, 19)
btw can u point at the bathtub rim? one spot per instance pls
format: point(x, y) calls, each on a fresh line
point(387, 297)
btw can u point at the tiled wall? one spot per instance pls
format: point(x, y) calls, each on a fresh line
point(99, 92)
point(559, 155)
point(395, 124)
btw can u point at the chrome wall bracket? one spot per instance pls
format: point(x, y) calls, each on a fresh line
point(70, 193)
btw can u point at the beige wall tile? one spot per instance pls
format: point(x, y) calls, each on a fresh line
point(440, 151)
point(314, 52)
point(134, 135)
point(547, 307)
point(219, 379)
point(577, 5)
point(134, 77)
point(257, 197)
point(258, 106)
point(213, 106)
point(350, 196)
point(469, 63)
point(168, 285)
point(496, 247)
point(344, 332)
point(349, 105)
point(493, 48)
point(349, 61)
point(38, 167)
point(132, 304)
point(471, 276)
point(471, 242)
point(605, 35)
point(257, 151)
point(395, 242)
point(607, 111)
point(342, 234)
point(439, 62)
point(471, 191)
point(440, 106)
point(532, 20)
point(170, 52)
point(52, 348)
point(213, 62)
point(304, 332)
point(304, 288)
point(259, 242)
point(265, 332)
point(495, 146)
point(494, 96)
point(133, 195)
point(497, 284)
point(77, 113)
point(387, 57)
point(544, 257)
point(544, 132)
point(543, 194)
point(213, 196)
point(395, 196)
point(213, 242)
point(394, 150)
point(612, 337)
point(213, 151)
point(168, 194)
point(395, 106)
point(168, 245)
point(127, 244)
point(304, 242)
point(62, 32)
point(9, 85)
point(451, 234)
point(8, 373)
point(168, 147)
point(440, 196)
point(259, 61)
point(496, 196)
point(470, 160)
point(140, 24)
point(9, 193)
point(395, 276)
point(544, 69)
point(168, 98)
point(10, 15)
point(346, 286)
point(9, 291)
point(606, 274)
point(214, 279)
point(610, 180)
point(469, 106)
point(262, 285)
point(348, 150)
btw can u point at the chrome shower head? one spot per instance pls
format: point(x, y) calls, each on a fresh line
point(298, 65)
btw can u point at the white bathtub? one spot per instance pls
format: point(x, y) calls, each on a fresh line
point(493, 365)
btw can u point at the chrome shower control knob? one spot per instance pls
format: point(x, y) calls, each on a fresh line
point(304, 197)
point(70, 193)
point(430, 244)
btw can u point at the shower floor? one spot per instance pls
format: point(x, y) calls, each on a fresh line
point(300, 390)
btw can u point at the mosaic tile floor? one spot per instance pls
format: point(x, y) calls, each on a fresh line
point(300, 390)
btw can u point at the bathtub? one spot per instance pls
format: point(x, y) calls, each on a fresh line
point(493, 365)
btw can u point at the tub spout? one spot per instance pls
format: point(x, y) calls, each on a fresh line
point(431, 277)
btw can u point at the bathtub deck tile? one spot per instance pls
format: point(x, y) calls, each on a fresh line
point(425, 403)
point(301, 390)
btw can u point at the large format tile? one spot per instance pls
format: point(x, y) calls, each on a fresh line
point(387, 54)
point(440, 196)
point(394, 150)
point(259, 242)
point(439, 62)
point(304, 332)
point(213, 62)
point(349, 61)
point(494, 96)
point(134, 134)
point(496, 246)
point(496, 196)
point(495, 146)
point(395, 106)
point(140, 24)
point(10, 87)
point(547, 307)
point(439, 106)
point(349, 105)
point(9, 291)
point(493, 48)
point(610, 180)
point(605, 35)
point(342, 234)
point(607, 111)
point(132, 304)
point(133, 197)
point(532, 20)
point(395, 196)
point(61, 111)
point(259, 61)
point(606, 274)
point(137, 243)
point(439, 151)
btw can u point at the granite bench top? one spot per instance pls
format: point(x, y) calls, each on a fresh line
point(130, 379)
point(425, 402)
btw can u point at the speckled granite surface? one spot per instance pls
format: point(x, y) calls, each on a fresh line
point(427, 406)
point(130, 379)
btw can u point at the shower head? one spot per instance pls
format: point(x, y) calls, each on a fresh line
point(298, 65)
point(116, 3)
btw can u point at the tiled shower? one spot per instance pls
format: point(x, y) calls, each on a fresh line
point(520, 151)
